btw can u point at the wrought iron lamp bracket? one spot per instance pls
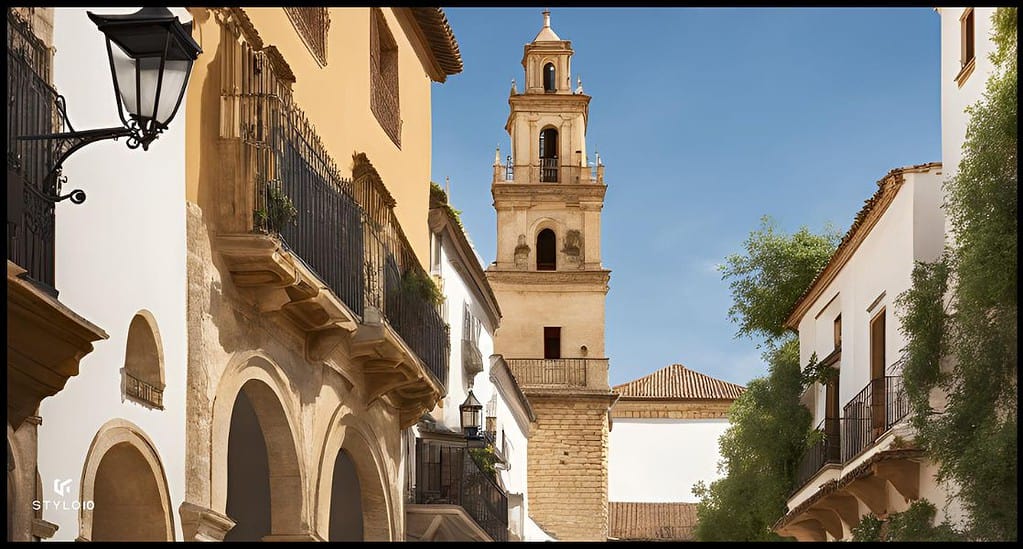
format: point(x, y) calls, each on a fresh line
point(67, 143)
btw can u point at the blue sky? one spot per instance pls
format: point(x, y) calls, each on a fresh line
point(706, 119)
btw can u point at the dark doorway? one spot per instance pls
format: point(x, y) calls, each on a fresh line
point(248, 475)
point(345, 501)
point(552, 342)
point(549, 155)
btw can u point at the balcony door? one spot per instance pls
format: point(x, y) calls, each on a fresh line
point(877, 375)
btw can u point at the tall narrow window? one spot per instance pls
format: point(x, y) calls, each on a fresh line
point(832, 425)
point(877, 371)
point(966, 46)
point(549, 155)
point(546, 251)
point(838, 331)
point(549, 81)
point(552, 341)
point(383, 83)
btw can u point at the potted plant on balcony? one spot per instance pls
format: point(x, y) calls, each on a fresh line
point(277, 210)
point(418, 284)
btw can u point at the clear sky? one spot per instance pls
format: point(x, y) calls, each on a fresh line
point(706, 119)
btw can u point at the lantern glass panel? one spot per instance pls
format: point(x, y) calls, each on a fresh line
point(138, 97)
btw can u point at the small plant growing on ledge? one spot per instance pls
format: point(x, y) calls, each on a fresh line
point(277, 211)
point(418, 283)
point(485, 458)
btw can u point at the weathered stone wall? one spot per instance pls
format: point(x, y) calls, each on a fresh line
point(666, 409)
point(568, 466)
point(231, 342)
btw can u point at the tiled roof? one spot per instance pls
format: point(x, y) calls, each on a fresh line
point(873, 208)
point(440, 37)
point(678, 382)
point(651, 521)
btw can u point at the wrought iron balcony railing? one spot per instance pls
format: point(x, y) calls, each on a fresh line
point(826, 450)
point(549, 170)
point(450, 475)
point(31, 110)
point(871, 413)
point(552, 372)
point(344, 230)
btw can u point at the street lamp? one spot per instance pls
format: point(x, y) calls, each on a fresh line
point(151, 54)
point(472, 412)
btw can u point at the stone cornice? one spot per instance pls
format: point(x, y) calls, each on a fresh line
point(643, 408)
point(536, 279)
point(529, 193)
point(868, 216)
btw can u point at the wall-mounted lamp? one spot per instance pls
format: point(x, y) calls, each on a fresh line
point(151, 54)
point(471, 412)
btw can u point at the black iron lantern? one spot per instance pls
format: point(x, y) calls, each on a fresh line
point(151, 54)
point(472, 416)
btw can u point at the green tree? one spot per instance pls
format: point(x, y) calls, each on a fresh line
point(774, 272)
point(968, 349)
point(769, 427)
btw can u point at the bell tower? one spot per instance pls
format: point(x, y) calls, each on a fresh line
point(551, 286)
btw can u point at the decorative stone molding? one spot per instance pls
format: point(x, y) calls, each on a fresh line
point(597, 279)
point(46, 340)
point(510, 195)
point(202, 524)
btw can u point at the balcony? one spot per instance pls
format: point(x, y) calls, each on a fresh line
point(825, 451)
point(455, 500)
point(548, 171)
point(559, 373)
point(871, 413)
point(31, 110)
point(323, 251)
point(870, 474)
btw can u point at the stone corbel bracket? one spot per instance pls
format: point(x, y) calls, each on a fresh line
point(394, 373)
point(274, 279)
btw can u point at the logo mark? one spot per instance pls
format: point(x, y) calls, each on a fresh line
point(61, 486)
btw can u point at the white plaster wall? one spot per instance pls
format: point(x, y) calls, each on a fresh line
point(456, 294)
point(121, 251)
point(910, 230)
point(659, 460)
point(955, 99)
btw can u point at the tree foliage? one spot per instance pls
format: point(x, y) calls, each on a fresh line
point(774, 272)
point(769, 428)
point(760, 452)
point(913, 524)
point(970, 350)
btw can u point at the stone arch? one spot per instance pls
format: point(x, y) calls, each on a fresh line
point(124, 479)
point(143, 372)
point(538, 226)
point(255, 385)
point(354, 437)
point(546, 250)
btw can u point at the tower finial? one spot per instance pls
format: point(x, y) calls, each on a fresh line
point(497, 156)
point(547, 18)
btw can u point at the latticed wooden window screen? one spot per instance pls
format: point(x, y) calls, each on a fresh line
point(312, 25)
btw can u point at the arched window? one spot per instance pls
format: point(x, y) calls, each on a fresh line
point(549, 155)
point(549, 83)
point(546, 251)
point(143, 362)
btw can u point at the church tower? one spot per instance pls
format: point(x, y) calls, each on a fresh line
point(551, 286)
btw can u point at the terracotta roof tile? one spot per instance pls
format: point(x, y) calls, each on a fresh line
point(440, 37)
point(651, 521)
point(678, 382)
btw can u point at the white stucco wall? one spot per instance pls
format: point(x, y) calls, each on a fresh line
point(910, 230)
point(456, 293)
point(659, 460)
point(955, 99)
point(121, 251)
